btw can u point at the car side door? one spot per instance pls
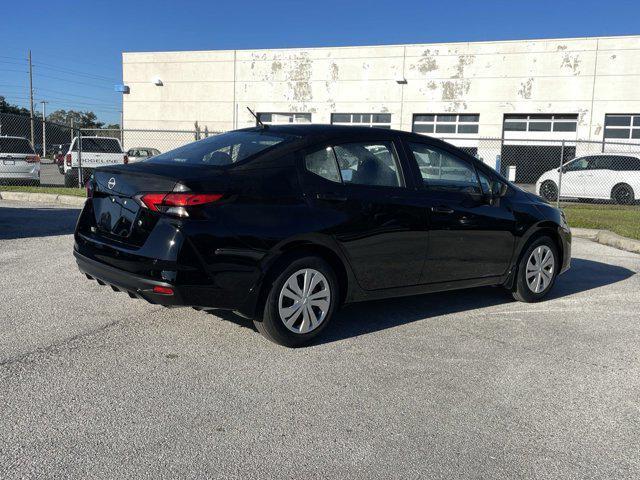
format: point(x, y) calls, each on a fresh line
point(573, 178)
point(358, 191)
point(471, 230)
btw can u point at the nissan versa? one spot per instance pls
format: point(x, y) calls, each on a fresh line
point(284, 224)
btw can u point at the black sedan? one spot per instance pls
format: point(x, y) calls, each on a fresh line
point(284, 224)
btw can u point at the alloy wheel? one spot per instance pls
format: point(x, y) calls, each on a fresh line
point(540, 269)
point(549, 191)
point(304, 301)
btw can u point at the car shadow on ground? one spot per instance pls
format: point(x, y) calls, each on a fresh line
point(36, 222)
point(369, 317)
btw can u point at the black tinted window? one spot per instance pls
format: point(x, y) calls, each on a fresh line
point(368, 164)
point(625, 164)
point(442, 170)
point(224, 149)
point(15, 145)
point(323, 163)
point(99, 145)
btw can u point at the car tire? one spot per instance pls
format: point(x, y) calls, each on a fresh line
point(281, 321)
point(70, 179)
point(623, 194)
point(549, 190)
point(535, 276)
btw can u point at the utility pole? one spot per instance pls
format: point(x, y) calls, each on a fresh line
point(31, 95)
point(44, 127)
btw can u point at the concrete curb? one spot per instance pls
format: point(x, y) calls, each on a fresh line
point(606, 237)
point(43, 198)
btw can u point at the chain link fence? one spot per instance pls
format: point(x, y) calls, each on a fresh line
point(64, 155)
point(596, 183)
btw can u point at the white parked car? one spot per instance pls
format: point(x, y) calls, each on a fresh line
point(96, 152)
point(141, 153)
point(19, 161)
point(602, 176)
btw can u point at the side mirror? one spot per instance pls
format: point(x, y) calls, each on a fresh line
point(498, 189)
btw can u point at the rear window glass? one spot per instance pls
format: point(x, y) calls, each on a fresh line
point(224, 149)
point(15, 145)
point(99, 145)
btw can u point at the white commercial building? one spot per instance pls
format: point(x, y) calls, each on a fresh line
point(572, 89)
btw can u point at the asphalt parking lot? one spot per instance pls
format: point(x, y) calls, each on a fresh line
point(467, 384)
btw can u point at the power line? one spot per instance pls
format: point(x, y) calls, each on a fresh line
point(75, 72)
point(72, 81)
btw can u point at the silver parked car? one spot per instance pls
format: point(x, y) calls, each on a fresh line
point(141, 153)
point(19, 162)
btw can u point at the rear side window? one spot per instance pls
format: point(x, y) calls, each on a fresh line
point(625, 164)
point(441, 170)
point(224, 149)
point(323, 163)
point(15, 145)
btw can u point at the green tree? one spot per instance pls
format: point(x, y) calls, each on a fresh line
point(80, 119)
point(6, 107)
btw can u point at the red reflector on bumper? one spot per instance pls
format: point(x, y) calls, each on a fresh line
point(163, 290)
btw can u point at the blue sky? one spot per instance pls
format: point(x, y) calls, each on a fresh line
point(77, 46)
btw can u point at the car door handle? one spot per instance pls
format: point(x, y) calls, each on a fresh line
point(441, 210)
point(333, 197)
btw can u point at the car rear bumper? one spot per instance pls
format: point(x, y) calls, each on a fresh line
point(134, 285)
point(142, 287)
point(31, 174)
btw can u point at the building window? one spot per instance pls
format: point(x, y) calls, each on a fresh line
point(378, 120)
point(446, 123)
point(280, 118)
point(540, 122)
point(622, 126)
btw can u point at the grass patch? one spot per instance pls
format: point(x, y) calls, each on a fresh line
point(76, 192)
point(621, 219)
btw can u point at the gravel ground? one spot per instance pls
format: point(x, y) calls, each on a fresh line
point(464, 384)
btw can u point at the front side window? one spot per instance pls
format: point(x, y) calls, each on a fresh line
point(223, 149)
point(577, 165)
point(440, 170)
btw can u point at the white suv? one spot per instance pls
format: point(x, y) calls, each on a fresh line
point(18, 161)
point(96, 152)
point(603, 176)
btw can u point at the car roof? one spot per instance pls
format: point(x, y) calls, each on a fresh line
point(611, 154)
point(107, 138)
point(323, 130)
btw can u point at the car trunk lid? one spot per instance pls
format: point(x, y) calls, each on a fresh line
point(117, 210)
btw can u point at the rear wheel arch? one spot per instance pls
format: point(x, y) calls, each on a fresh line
point(288, 253)
point(622, 185)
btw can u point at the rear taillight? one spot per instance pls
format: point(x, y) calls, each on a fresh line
point(33, 159)
point(162, 290)
point(67, 159)
point(89, 186)
point(176, 203)
point(126, 159)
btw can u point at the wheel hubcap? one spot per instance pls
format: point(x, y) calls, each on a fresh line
point(540, 269)
point(304, 301)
